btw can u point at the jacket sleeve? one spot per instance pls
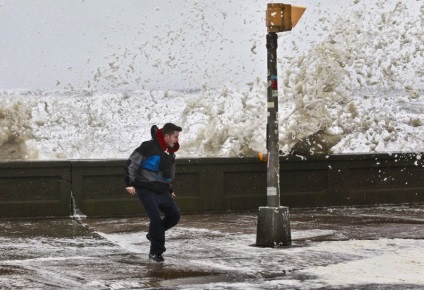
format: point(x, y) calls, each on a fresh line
point(132, 166)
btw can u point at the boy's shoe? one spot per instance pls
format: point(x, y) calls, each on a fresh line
point(156, 257)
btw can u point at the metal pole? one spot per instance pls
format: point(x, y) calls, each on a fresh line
point(273, 227)
point(273, 166)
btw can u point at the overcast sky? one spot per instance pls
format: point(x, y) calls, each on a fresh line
point(134, 44)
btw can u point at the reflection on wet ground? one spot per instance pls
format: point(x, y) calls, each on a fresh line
point(214, 251)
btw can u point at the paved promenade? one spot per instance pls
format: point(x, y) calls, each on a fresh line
point(333, 248)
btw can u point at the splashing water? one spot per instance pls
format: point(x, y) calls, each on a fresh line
point(15, 130)
point(359, 89)
point(372, 59)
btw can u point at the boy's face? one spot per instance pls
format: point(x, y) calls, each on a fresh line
point(172, 139)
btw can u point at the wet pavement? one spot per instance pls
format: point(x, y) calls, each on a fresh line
point(333, 248)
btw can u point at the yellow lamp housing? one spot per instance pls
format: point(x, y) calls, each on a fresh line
point(282, 17)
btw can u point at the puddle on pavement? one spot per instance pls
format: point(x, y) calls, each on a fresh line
point(10, 270)
point(54, 228)
point(73, 254)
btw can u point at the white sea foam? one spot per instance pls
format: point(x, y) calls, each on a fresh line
point(15, 130)
point(358, 88)
point(359, 82)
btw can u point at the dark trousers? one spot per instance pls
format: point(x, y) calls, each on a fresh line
point(154, 203)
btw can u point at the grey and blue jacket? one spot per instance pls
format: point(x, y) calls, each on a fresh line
point(152, 165)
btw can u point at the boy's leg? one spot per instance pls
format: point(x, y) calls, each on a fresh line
point(150, 202)
point(171, 211)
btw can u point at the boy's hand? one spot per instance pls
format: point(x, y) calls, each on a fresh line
point(131, 190)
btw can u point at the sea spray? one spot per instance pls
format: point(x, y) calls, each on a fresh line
point(15, 130)
point(361, 83)
point(225, 122)
point(375, 50)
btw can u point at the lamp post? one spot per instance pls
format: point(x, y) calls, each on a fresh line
point(273, 227)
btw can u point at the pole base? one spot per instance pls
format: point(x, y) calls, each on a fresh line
point(273, 227)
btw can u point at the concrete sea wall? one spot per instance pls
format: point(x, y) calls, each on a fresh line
point(97, 188)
